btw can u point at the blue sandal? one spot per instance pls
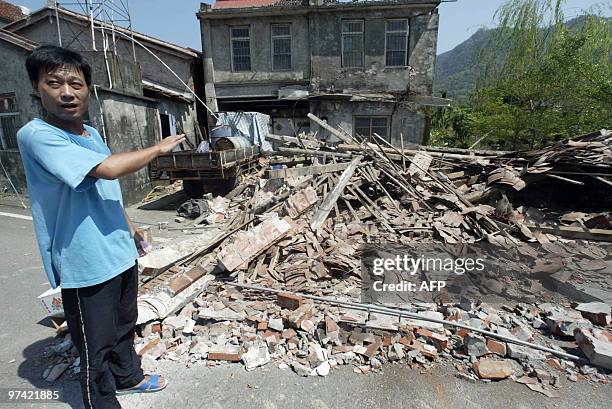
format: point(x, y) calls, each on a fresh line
point(149, 386)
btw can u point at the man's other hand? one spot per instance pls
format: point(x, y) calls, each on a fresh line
point(168, 143)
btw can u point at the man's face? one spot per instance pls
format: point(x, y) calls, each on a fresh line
point(64, 93)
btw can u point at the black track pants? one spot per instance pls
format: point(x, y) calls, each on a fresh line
point(101, 321)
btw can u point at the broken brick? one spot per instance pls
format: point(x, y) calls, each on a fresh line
point(195, 273)
point(496, 347)
point(289, 301)
point(491, 369)
point(224, 356)
point(372, 348)
point(178, 284)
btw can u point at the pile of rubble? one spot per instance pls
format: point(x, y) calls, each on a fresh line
point(276, 274)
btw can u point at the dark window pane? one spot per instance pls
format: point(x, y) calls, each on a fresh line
point(379, 122)
point(281, 30)
point(396, 42)
point(396, 58)
point(352, 26)
point(397, 25)
point(282, 62)
point(241, 55)
point(353, 50)
point(362, 131)
point(368, 126)
point(8, 103)
point(362, 122)
point(240, 32)
point(282, 46)
point(9, 131)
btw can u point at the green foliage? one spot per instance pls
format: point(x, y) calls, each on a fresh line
point(544, 79)
point(451, 126)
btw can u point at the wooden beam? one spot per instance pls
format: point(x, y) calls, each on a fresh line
point(330, 200)
point(307, 143)
point(343, 137)
point(306, 170)
point(573, 232)
point(282, 151)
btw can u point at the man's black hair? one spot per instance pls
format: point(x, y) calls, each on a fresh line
point(50, 57)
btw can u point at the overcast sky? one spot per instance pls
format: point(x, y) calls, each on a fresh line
point(175, 21)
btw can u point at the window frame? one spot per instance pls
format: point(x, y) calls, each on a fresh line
point(4, 139)
point(352, 33)
point(370, 117)
point(284, 36)
point(232, 39)
point(407, 36)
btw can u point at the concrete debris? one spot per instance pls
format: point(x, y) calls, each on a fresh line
point(257, 355)
point(597, 312)
point(523, 353)
point(475, 345)
point(303, 230)
point(491, 369)
point(598, 350)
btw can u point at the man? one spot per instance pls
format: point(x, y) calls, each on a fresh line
point(83, 233)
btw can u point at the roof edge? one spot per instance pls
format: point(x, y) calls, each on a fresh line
point(41, 13)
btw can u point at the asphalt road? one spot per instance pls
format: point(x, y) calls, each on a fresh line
point(24, 334)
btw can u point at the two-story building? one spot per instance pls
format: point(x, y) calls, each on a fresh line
point(364, 66)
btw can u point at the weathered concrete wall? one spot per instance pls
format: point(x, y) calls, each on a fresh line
point(14, 79)
point(130, 123)
point(422, 54)
point(340, 114)
point(327, 70)
point(317, 53)
point(261, 53)
point(11, 160)
point(184, 114)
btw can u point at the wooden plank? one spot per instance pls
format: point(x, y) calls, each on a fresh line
point(343, 137)
point(306, 170)
point(573, 232)
point(282, 151)
point(331, 199)
point(306, 143)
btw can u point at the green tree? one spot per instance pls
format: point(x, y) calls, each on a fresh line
point(544, 79)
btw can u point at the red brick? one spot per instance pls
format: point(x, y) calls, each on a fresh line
point(195, 273)
point(262, 326)
point(372, 348)
point(289, 301)
point(439, 340)
point(223, 356)
point(496, 347)
point(491, 369)
point(178, 284)
point(289, 333)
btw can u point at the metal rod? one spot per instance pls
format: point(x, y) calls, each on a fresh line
point(404, 313)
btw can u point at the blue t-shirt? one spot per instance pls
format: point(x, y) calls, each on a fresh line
point(80, 224)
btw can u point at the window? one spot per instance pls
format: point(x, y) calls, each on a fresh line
point(9, 121)
point(366, 126)
point(241, 48)
point(352, 43)
point(281, 46)
point(396, 43)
